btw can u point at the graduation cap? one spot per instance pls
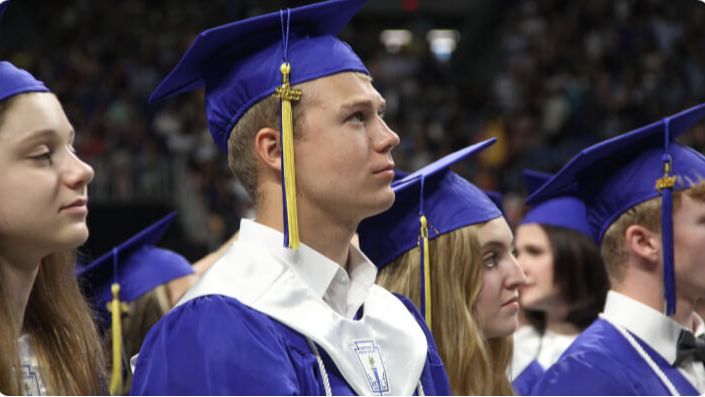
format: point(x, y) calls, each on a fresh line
point(14, 81)
point(566, 211)
point(241, 63)
point(498, 200)
point(615, 175)
point(429, 202)
point(127, 272)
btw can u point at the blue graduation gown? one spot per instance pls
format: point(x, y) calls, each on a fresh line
point(527, 379)
point(215, 345)
point(602, 362)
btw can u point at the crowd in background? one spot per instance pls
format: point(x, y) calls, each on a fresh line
point(546, 77)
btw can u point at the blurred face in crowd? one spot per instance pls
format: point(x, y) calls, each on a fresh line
point(43, 183)
point(536, 260)
point(344, 165)
point(497, 305)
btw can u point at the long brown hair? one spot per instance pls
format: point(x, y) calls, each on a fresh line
point(58, 323)
point(475, 365)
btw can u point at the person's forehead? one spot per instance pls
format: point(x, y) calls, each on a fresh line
point(347, 89)
point(35, 111)
point(530, 232)
point(495, 231)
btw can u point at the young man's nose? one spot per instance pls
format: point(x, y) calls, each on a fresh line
point(387, 139)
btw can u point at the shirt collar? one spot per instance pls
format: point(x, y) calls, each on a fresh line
point(313, 268)
point(651, 326)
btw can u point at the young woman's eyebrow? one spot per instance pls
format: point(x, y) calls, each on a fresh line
point(39, 136)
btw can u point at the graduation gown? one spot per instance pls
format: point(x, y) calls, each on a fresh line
point(533, 353)
point(602, 362)
point(244, 329)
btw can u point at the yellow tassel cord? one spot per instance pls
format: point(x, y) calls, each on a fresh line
point(287, 94)
point(116, 308)
point(426, 269)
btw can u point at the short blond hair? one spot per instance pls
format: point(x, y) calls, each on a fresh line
point(646, 214)
point(264, 114)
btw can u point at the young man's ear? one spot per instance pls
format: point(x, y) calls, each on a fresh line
point(643, 244)
point(268, 148)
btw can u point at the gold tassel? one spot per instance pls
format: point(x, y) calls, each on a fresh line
point(426, 269)
point(116, 308)
point(287, 94)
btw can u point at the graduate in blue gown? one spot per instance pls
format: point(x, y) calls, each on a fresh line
point(646, 204)
point(446, 246)
point(567, 282)
point(131, 288)
point(303, 317)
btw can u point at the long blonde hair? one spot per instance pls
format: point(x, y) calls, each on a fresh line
point(475, 365)
point(62, 333)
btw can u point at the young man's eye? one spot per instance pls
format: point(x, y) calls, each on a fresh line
point(46, 156)
point(358, 117)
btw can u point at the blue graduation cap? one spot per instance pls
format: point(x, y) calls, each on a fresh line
point(241, 63)
point(617, 174)
point(429, 202)
point(122, 275)
point(14, 81)
point(498, 200)
point(136, 264)
point(567, 211)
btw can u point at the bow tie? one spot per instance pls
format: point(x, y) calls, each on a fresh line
point(689, 345)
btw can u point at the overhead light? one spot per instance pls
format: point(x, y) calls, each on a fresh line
point(443, 42)
point(394, 39)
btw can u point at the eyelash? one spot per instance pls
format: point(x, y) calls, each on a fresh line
point(46, 156)
point(360, 116)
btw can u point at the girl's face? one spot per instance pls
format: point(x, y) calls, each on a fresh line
point(498, 303)
point(43, 205)
point(536, 259)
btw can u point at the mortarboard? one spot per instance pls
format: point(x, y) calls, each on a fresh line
point(498, 200)
point(566, 211)
point(429, 202)
point(617, 174)
point(243, 62)
point(14, 81)
point(122, 275)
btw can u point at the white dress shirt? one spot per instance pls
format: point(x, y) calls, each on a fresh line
point(344, 291)
point(529, 345)
point(656, 330)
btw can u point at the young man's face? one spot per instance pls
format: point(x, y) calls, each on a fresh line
point(689, 247)
point(344, 165)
